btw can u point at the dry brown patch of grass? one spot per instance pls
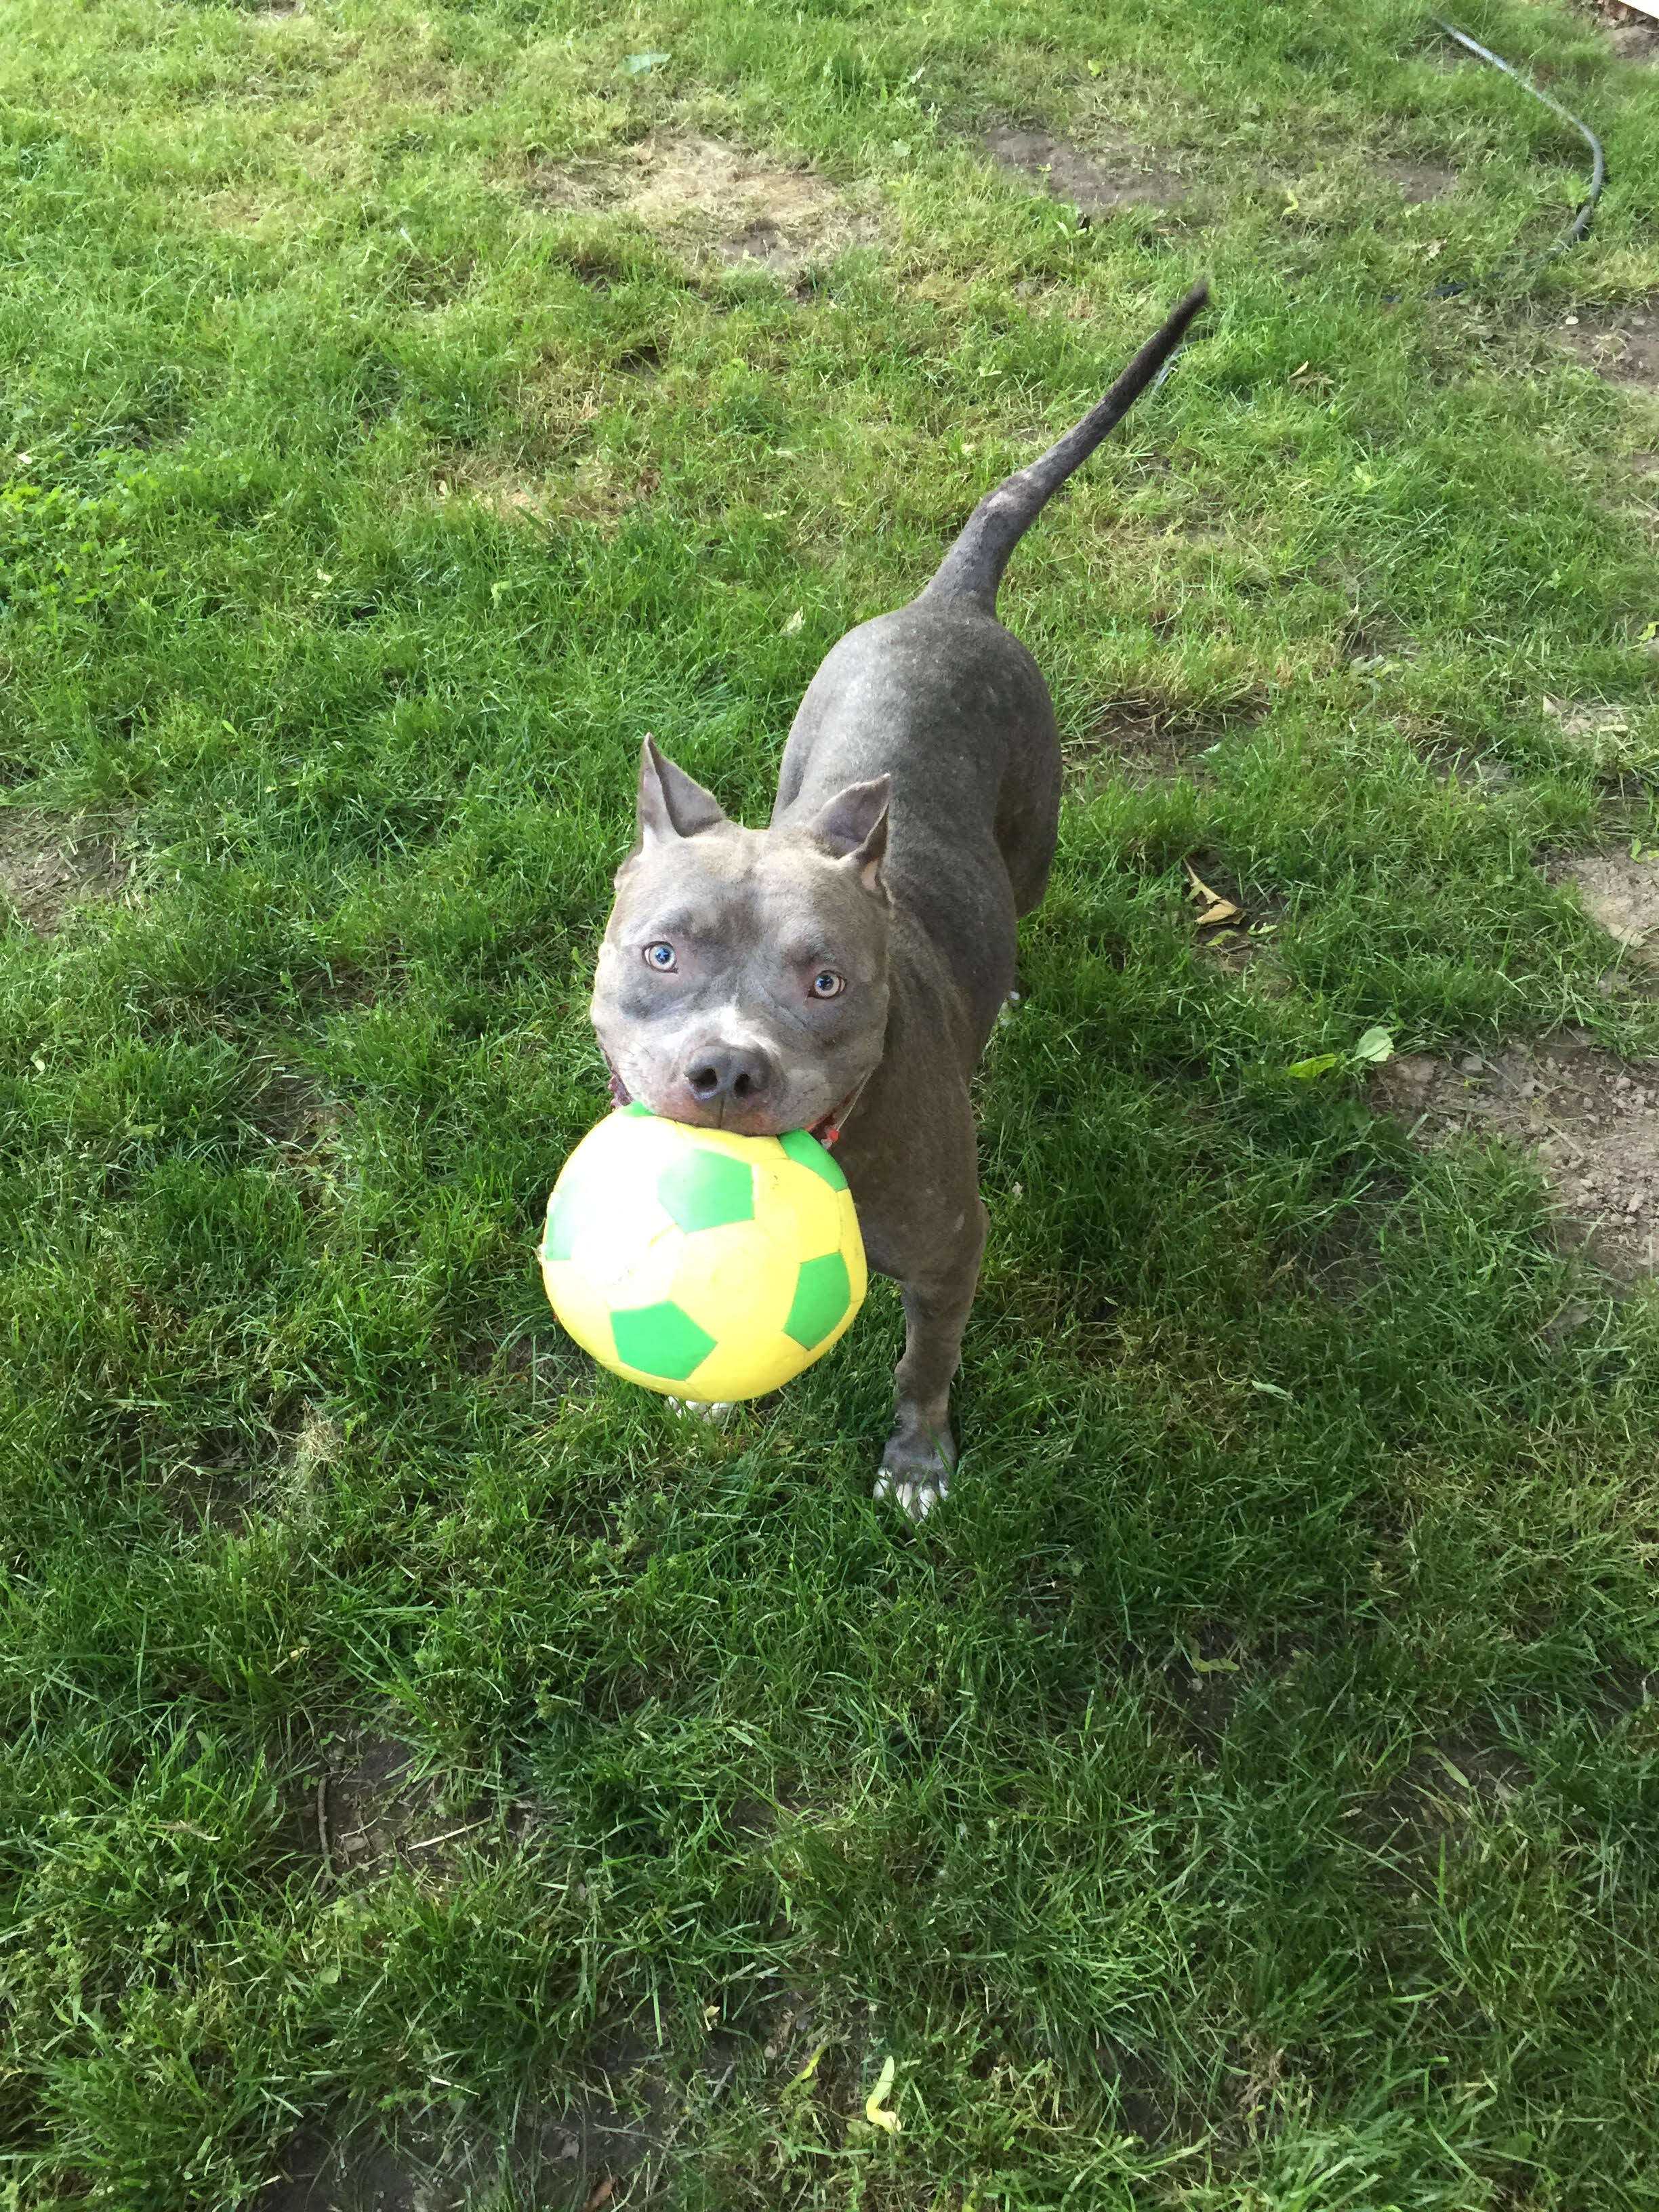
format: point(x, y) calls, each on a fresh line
point(1096, 184)
point(715, 201)
point(1623, 347)
point(48, 866)
point(1420, 181)
point(602, 487)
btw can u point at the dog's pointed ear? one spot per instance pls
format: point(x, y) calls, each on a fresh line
point(671, 803)
point(853, 825)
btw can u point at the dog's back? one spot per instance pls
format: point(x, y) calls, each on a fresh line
point(941, 699)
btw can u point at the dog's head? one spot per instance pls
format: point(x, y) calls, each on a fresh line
point(742, 980)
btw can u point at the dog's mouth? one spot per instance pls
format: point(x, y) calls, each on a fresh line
point(826, 1132)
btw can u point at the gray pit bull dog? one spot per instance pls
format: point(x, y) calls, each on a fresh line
point(839, 970)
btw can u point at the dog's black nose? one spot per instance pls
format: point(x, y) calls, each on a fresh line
point(733, 1075)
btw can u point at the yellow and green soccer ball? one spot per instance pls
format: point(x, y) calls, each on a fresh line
point(708, 1266)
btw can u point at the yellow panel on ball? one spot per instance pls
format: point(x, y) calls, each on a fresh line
point(815, 1207)
point(629, 1248)
point(736, 1281)
point(851, 1249)
point(747, 1369)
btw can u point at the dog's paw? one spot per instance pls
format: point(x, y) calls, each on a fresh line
point(716, 1411)
point(917, 1467)
point(915, 1494)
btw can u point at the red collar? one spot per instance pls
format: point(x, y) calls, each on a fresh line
point(828, 1131)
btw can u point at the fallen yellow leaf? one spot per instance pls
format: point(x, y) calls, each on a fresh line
point(1201, 890)
point(874, 2102)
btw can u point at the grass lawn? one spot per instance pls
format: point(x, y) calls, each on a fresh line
point(428, 1761)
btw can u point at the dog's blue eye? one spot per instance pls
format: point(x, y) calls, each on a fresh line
point(660, 956)
point(826, 984)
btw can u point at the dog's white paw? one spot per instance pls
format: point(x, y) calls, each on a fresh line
point(915, 1494)
point(917, 1464)
point(719, 1411)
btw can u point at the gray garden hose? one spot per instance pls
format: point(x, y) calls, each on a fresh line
point(1581, 222)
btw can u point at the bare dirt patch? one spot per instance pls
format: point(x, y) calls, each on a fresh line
point(1612, 740)
point(1644, 468)
point(209, 1496)
point(1623, 347)
point(1589, 1121)
point(48, 866)
point(1622, 894)
point(1444, 1789)
point(1149, 741)
point(1234, 933)
point(716, 202)
point(293, 1115)
point(1420, 181)
point(1204, 1687)
point(563, 2162)
point(376, 1813)
point(1588, 720)
point(1633, 33)
point(1471, 771)
point(1095, 184)
point(562, 2154)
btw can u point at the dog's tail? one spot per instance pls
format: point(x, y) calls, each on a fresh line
point(973, 567)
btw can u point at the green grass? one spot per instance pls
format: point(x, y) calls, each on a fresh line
point(1246, 1793)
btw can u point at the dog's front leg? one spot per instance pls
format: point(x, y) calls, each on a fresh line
point(921, 1453)
point(914, 1175)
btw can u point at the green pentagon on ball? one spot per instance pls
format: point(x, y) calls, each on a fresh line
point(805, 1149)
point(560, 1238)
point(823, 1290)
point(706, 1190)
point(661, 1340)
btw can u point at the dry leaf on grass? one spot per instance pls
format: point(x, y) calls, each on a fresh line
point(1217, 909)
point(875, 2104)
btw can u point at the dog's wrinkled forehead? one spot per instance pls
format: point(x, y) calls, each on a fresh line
point(738, 890)
point(704, 885)
point(695, 871)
